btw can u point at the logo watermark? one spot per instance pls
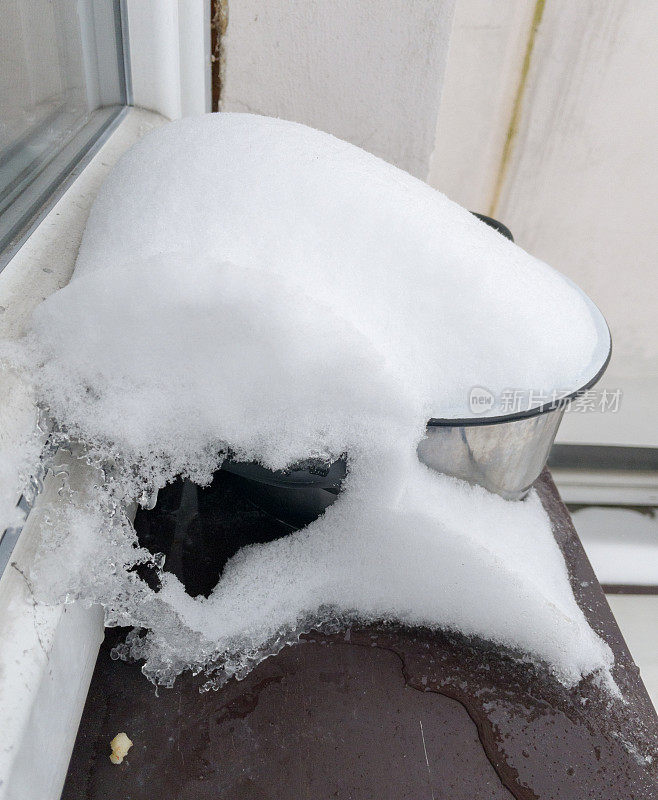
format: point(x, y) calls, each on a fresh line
point(516, 401)
point(480, 400)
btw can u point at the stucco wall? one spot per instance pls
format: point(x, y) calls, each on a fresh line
point(554, 134)
point(366, 71)
point(580, 186)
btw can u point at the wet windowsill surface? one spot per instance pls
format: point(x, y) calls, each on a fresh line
point(377, 712)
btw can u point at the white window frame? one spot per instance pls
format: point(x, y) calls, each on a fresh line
point(169, 46)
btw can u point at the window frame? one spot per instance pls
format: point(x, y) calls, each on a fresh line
point(108, 86)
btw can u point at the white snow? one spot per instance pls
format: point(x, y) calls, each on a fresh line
point(252, 284)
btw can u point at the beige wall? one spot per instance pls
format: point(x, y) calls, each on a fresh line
point(487, 47)
point(576, 181)
point(366, 71)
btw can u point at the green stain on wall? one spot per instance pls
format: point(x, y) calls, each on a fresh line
point(515, 117)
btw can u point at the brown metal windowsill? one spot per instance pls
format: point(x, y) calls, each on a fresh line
point(629, 588)
point(378, 712)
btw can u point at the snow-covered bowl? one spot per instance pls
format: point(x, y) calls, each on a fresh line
point(506, 452)
point(503, 452)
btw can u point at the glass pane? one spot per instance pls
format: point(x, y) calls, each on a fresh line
point(61, 69)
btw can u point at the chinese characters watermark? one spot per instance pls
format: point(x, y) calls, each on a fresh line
point(517, 401)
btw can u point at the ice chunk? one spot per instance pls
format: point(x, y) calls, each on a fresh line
point(250, 284)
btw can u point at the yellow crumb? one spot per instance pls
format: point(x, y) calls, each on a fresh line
point(120, 746)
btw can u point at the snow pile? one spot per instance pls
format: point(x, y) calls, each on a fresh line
point(250, 284)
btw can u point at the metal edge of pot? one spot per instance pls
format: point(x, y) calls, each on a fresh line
point(462, 422)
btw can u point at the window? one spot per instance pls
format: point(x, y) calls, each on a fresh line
point(62, 84)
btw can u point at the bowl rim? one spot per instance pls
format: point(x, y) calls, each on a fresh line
point(554, 405)
point(546, 408)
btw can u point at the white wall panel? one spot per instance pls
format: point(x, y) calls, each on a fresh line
point(169, 43)
point(366, 71)
point(487, 47)
point(573, 171)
